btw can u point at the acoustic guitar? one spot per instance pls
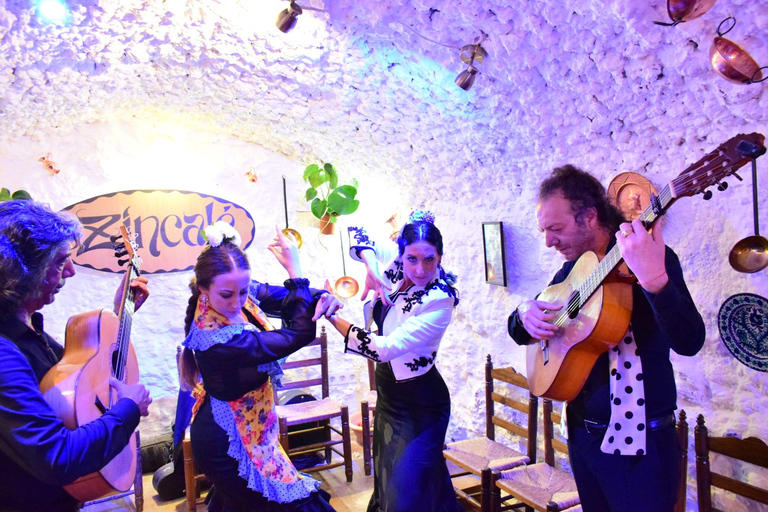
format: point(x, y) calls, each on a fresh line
point(597, 301)
point(97, 346)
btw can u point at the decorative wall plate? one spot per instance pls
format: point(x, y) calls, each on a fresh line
point(630, 193)
point(743, 324)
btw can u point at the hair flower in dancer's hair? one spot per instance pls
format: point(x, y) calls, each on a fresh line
point(422, 216)
point(220, 232)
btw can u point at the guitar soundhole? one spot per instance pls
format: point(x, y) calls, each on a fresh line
point(574, 303)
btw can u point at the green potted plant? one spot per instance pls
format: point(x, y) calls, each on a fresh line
point(5, 195)
point(329, 200)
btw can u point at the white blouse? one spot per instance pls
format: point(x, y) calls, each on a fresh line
point(413, 327)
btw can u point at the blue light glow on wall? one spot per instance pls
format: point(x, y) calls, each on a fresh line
point(52, 11)
point(429, 80)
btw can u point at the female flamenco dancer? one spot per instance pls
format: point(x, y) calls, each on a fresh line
point(232, 350)
point(413, 405)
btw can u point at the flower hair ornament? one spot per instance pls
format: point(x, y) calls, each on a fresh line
point(220, 232)
point(422, 216)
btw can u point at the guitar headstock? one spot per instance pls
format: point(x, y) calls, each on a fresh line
point(126, 246)
point(724, 161)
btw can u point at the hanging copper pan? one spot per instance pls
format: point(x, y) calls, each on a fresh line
point(346, 286)
point(731, 61)
point(750, 254)
point(289, 232)
point(685, 10)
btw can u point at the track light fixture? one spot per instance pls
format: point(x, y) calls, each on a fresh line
point(470, 54)
point(286, 20)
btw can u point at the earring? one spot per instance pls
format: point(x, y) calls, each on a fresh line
point(204, 299)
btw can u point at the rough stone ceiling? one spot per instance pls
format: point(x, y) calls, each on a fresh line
point(562, 77)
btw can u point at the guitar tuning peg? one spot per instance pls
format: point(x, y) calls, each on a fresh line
point(722, 186)
point(122, 262)
point(115, 238)
point(121, 253)
point(707, 195)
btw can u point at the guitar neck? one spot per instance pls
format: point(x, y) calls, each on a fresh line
point(650, 215)
point(125, 318)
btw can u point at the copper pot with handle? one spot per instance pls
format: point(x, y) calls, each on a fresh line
point(685, 10)
point(731, 61)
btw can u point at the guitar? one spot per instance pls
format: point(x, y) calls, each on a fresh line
point(597, 299)
point(97, 346)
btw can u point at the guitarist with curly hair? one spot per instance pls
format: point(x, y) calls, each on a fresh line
point(620, 413)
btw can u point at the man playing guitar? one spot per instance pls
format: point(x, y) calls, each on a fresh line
point(39, 455)
point(622, 443)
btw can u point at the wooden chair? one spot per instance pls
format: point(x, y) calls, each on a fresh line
point(539, 486)
point(193, 479)
point(138, 484)
point(367, 410)
point(485, 453)
point(681, 428)
point(751, 450)
point(321, 411)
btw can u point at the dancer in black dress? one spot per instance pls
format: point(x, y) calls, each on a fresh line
point(232, 346)
point(413, 405)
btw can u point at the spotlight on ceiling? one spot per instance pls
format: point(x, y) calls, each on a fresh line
point(466, 78)
point(470, 54)
point(52, 11)
point(286, 20)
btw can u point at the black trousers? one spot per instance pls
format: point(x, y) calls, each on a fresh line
point(621, 483)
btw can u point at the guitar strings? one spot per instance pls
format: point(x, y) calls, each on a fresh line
point(606, 266)
point(124, 327)
point(688, 177)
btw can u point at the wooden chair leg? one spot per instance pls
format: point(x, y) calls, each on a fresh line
point(366, 438)
point(486, 483)
point(347, 442)
point(495, 500)
point(190, 483)
point(328, 450)
point(138, 482)
point(682, 438)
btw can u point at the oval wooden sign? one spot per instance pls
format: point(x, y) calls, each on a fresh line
point(167, 224)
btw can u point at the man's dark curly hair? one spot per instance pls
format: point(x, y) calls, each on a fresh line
point(584, 192)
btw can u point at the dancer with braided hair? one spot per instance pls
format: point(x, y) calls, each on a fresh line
point(232, 350)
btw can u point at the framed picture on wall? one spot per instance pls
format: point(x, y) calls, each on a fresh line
point(493, 245)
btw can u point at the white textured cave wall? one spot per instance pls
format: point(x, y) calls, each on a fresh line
point(595, 84)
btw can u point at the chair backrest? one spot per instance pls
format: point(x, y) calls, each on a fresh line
point(551, 419)
point(751, 450)
point(371, 374)
point(496, 380)
point(291, 381)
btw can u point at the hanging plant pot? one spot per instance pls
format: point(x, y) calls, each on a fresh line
point(326, 226)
